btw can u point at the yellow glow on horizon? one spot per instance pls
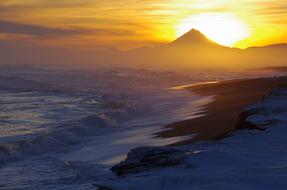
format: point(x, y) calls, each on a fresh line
point(235, 23)
point(222, 28)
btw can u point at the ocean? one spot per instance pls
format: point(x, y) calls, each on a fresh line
point(62, 129)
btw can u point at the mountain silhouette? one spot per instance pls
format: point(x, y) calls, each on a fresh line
point(272, 46)
point(193, 38)
point(192, 50)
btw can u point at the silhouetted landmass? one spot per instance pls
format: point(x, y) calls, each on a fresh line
point(192, 50)
point(280, 69)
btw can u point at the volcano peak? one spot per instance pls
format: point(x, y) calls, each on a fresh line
point(193, 37)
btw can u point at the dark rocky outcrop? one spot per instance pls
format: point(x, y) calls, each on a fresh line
point(146, 158)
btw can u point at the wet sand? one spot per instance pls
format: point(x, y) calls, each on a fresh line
point(222, 115)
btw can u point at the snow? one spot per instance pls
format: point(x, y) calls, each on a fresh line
point(249, 159)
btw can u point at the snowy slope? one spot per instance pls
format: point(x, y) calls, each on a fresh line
point(248, 159)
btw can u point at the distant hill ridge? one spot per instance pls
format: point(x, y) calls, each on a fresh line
point(192, 50)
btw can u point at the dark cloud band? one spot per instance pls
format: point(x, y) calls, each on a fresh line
point(42, 31)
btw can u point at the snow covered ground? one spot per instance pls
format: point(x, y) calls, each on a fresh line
point(248, 159)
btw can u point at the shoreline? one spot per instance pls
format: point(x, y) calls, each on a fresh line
point(222, 114)
point(246, 160)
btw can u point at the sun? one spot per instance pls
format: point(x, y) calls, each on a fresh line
point(223, 28)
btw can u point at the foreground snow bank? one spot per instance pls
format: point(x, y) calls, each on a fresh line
point(249, 159)
point(271, 111)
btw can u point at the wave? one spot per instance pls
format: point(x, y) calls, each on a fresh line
point(61, 138)
point(135, 109)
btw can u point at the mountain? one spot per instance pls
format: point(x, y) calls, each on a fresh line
point(272, 46)
point(193, 38)
point(194, 50)
point(269, 56)
point(191, 50)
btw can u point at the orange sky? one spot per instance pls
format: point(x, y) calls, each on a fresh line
point(124, 24)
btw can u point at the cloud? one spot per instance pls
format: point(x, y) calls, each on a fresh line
point(106, 22)
point(30, 4)
point(42, 31)
point(272, 8)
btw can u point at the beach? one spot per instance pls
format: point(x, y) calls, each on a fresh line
point(221, 115)
point(247, 159)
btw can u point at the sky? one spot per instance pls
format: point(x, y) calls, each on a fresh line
point(127, 24)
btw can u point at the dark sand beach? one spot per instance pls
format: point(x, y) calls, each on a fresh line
point(222, 115)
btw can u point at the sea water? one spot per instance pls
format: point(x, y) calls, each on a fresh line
point(62, 129)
